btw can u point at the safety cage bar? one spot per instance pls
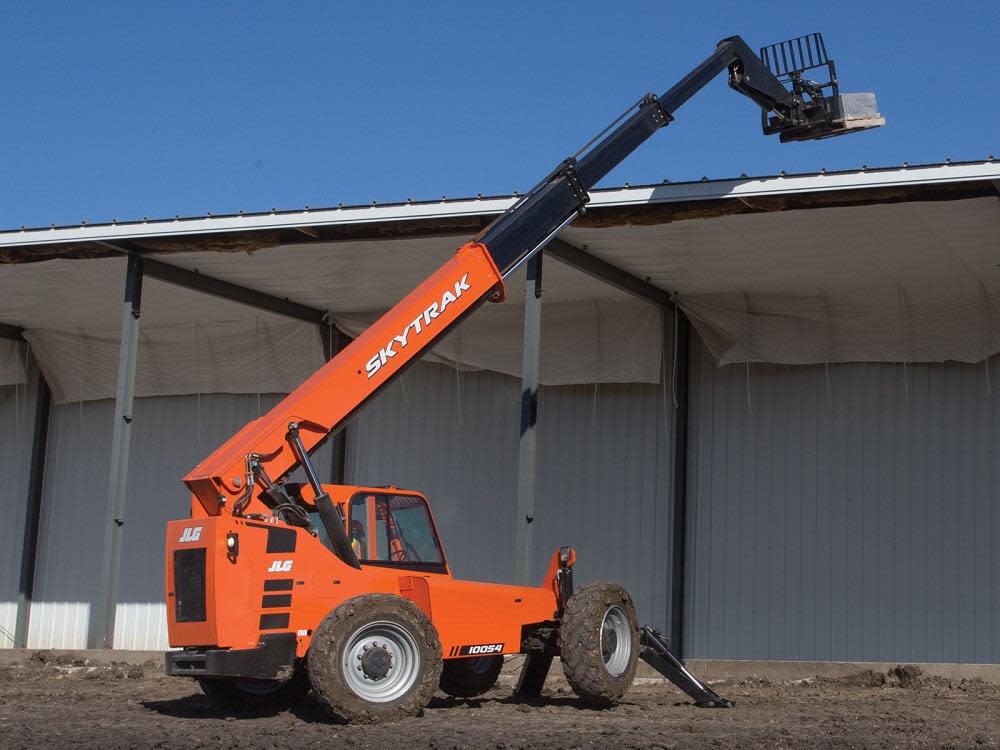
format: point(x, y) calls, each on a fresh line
point(792, 57)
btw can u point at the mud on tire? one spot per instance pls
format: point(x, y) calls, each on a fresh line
point(237, 694)
point(375, 658)
point(467, 678)
point(599, 642)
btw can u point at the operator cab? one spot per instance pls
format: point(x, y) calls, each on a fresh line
point(390, 528)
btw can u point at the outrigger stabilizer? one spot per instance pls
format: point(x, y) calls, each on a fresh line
point(654, 649)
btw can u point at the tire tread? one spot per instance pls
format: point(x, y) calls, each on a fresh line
point(324, 659)
point(580, 643)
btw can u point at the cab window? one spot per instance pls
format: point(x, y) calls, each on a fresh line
point(394, 530)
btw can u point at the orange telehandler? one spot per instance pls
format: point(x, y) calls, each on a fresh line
point(274, 587)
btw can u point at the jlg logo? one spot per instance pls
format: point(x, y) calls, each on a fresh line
point(190, 534)
point(280, 566)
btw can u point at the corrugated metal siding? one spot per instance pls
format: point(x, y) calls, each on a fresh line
point(858, 523)
point(71, 535)
point(453, 437)
point(156, 495)
point(141, 626)
point(603, 473)
point(17, 417)
point(604, 486)
point(169, 436)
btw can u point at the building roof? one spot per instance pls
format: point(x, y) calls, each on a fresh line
point(837, 187)
point(889, 264)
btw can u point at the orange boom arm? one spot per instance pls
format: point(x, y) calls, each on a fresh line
point(324, 402)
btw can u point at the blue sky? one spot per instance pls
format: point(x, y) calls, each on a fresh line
point(124, 110)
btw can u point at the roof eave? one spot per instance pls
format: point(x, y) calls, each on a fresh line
point(627, 196)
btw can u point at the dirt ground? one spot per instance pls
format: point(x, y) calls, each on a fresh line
point(60, 702)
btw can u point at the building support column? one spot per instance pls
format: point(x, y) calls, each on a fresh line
point(523, 534)
point(33, 512)
point(680, 490)
point(104, 631)
point(333, 343)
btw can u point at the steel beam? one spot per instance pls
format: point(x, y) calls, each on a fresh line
point(219, 288)
point(530, 355)
point(233, 292)
point(333, 345)
point(103, 635)
point(14, 333)
point(606, 272)
point(680, 485)
point(32, 516)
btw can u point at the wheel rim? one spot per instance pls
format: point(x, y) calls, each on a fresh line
point(381, 662)
point(616, 641)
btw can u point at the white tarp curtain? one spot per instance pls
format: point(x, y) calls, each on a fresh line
point(198, 357)
point(591, 332)
point(907, 281)
point(599, 341)
point(899, 282)
point(190, 342)
point(883, 323)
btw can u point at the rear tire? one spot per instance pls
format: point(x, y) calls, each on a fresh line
point(467, 678)
point(375, 658)
point(240, 694)
point(599, 642)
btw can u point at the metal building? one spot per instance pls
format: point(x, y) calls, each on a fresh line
point(766, 404)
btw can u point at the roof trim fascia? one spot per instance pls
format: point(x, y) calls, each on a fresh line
point(748, 187)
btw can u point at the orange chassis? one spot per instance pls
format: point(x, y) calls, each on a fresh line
point(239, 589)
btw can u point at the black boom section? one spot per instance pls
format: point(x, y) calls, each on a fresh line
point(560, 196)
point(514, 235)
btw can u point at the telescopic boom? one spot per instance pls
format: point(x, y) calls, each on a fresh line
point(244, 474)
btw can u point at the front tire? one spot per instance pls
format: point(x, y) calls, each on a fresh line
point(599, 642)
point(375, 658)
point(467, 678)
